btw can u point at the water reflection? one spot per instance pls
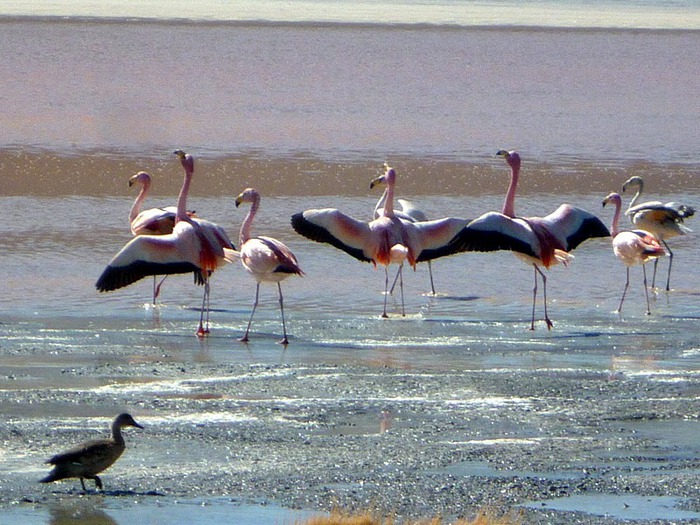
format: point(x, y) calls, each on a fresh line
point(80, 512)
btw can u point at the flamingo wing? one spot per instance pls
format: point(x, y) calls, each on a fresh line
point(411, 211)
point(155, 221)
point(572, 225)
point(494, 231)
point(432, 239)
point(328, 225)
point(265, 255)
point(177, 252)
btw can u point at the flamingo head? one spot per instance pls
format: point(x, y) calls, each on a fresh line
point(388, 178)
point(247, 195)
point(633, 181)
point(186, 160)
point(141, 178)
point(613, 198)
point(512, 157)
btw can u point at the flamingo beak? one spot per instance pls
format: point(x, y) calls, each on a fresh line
point(239, 200)
point(375, 182)
point(503, 153)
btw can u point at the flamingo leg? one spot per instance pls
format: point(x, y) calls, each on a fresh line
point(284, 340)
point(255, 305)
point(544, 295)
point(534, 296)
point(653, 276)
point(646, 291)
point(386, 288)
point(670, 263)
point(403, 308)
point(203, 329)
point(156, 288)
point(432, 284)
point(627, 283)
point(393, 285)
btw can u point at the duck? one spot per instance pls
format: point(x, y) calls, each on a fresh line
point(87, 460)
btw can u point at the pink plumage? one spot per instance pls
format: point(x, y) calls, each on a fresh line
point(195, 245)
point(264, 258)
point(539, 241)
point(632, 247)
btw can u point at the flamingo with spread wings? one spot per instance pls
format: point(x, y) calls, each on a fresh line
point(266, 259)
point(632, 247)
point(195, 245)
point(664, 221)
point(539, 241)
point(385, 240)
point(411, 213)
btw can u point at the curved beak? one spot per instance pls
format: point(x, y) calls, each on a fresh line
point(377, 181)
point(239, 200)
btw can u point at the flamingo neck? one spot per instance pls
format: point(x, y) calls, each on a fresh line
point(379, 208)
point(182, 197)
point(136, 207)
point(640, 189)
point(614, 227)
point(248, 221)
point(389, 200)
point(509, 204)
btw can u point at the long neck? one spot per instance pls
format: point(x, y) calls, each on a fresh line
point(117, 433)
point(640, 189)
point(509, 203)
point(182, 197)
point(136, 207)
point(389, 200)
point(614, 228)
point(379, 208)
point(245, 227)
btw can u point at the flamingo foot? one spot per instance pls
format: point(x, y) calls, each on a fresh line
point(202, 332)
point(284, 341)
point(550, 324)
point(244, 339)
point(385, 316)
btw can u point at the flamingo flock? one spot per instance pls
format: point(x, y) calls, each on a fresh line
point(171, 240)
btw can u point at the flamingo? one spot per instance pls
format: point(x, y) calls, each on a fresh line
point(664, 221)
point(632, 247)
point(539, 241)
point(154, 221)
point(408, 212)
point(195, 245)
point(385, 240)
point(266, 259)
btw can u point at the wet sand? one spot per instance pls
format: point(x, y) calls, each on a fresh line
point(411, 440)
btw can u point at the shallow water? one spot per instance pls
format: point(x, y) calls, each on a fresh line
point(307, 113)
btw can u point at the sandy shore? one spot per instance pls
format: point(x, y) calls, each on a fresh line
point(415, 442)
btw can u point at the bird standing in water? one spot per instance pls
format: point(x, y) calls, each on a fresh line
point(632, 247)
point(664, 221)
point(153, 221)
point(411, 213)
point(86, 461)
point(385, 240)
point(266, 259)
point(195, 245)
point(539, 241)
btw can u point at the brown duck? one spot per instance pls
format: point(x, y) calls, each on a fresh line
point(89, 459)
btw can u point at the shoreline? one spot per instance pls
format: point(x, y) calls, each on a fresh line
point(55, 173)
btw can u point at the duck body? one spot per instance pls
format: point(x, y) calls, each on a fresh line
point(87, 460)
